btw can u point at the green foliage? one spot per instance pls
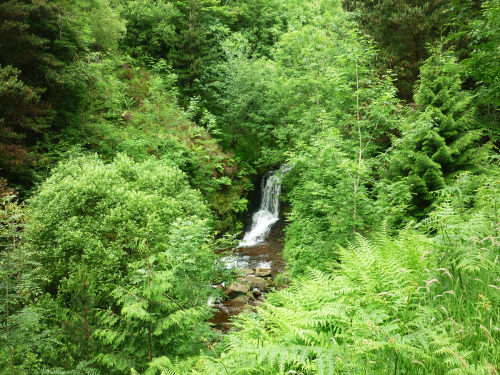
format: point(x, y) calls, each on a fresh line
point(244, 120)
point(96, 213)
point(28, 341)
point(482, 64)
point(113, 270)
point(161, 128)
point(316, 62)
point(338, 118)
point(97, 22)
point(150, 27)
point(405, 304)
point(45, 70)
point(24, 117)
point(468, 245)
point(440, 140)
point(261, 21)
point(80, 318)
point(107, 26)
point(185, 33)
point(163, 306)
point(402, 30)
point(195, 45)
point(124, 248)
point(323, 204)
point(27, 31)
point(134, 111)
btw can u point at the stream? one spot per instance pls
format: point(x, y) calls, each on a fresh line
point(258, 255)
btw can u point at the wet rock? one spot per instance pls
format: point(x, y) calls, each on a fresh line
point(250, 296)
point(237, 288)
point(256, 292)
point(247, 271)
point(261, 272)
point(254, 282)
point(242, 300)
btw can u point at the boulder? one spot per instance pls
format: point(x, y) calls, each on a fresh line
point(237, 288)
point(256, 292)
point(247, 271)
point(241, 299)
point(254, 282)
point(261, 272)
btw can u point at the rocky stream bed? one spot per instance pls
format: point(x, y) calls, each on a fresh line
point(258, 266)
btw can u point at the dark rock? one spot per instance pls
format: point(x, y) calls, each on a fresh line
point(256, 292)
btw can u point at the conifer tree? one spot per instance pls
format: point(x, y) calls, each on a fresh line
point(439, 139)
point(23, 118)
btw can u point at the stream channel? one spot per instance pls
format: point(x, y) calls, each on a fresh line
point(258, 256)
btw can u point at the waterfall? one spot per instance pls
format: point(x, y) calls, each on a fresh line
point(268, 212)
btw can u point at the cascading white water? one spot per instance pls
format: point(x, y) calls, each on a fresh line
point(268, 213)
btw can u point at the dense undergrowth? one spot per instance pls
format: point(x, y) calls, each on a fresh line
point(424, 301)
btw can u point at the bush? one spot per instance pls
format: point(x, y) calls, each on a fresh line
point(96, 213)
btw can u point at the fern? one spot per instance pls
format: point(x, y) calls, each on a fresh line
point(424, 301)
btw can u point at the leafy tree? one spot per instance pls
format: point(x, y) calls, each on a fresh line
point(331, 186)
point(96, 213)
point(24, 60)
point(104, 233)
point(101, 21)
point(324, 208)
point(321, 62)
point(239, 98)
point(336, 116)
point(43, 79)
point(160, 127)
point(26, 38)
point(195, 45)
point(185, 33)
point(42, 40)
point(261, 22)
point(150, 27)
